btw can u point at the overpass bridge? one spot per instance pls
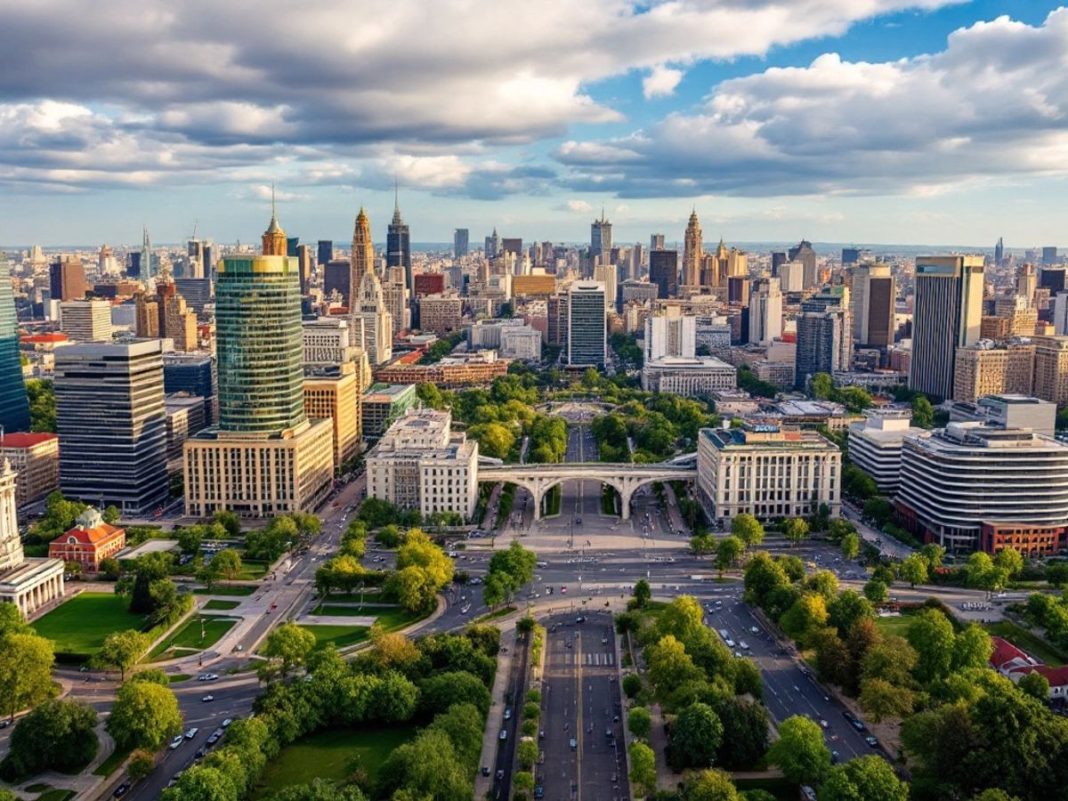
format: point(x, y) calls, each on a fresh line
point(624, 477)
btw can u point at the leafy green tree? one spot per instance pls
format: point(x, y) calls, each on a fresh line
point(870, 778)
point(821, 386)
point(227, 564)
point(728, 552)
point(876, 591)
point(807, 615)
point(982, 573)
point(643, 593)
point(913, 569)
point(189, 538)
point(288, 646)
point(229, 521)
point(748, 529)
point(709, 785)
point(695, 737)
point(846, 609)
point(669, 666)
point(632, 685)
point(795, 529)
point(12, 621)
point(800, 751)
point(933, 553)
point(55, 735)
point(122, 650)
point(639, 722)
point(111, 515)
point(642, 769)
point(144, 715)
point(42, 399)
point(882, 700)
point(763, 575)
point(702, 544)
point(683, 618)
point(850, 545)
point(972, 648)
point(1009, 560)
point(25, 672)
point(891, 659)
point(995, 794)
point(1036, 685)
point(141, 764)
point(931, 634)
point(922, 412)
point(745, 733)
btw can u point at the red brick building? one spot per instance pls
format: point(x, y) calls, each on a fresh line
point(89, 543)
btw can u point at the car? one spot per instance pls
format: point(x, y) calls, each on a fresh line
point(4, 724)
point(121, 790)
point(872, 741)
point(578, 522)
point(485, 770)
point(580, 619)
point(743, 645)
point(508, 713)
point(824, 724)
point(208, 698)
point(539, 791)
point(754, 630)
point(563, 590)
point(503, 735)
point(858, 724)
point(835, 757)
point(191, 733)
point(608, 733)
point(226, 723)
point(500, 774)
point(573, 743)
point(176, 742)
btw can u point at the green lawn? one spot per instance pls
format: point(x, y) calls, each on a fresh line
point(56, 795)
point(253, 571)
point(188, 638)
point(1024, 639)
point(80, 625)
point(111, 764)
point(331, 755)
point(226, 589)
point(391, 618)
point(340, 636)
point(216, 604)
point(894, 625)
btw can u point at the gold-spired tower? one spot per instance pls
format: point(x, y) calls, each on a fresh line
point(692, 253)
point(363, 253)
point(274, 238)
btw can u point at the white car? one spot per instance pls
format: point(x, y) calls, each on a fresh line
point(176, 742)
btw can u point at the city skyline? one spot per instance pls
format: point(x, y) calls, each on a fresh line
point(828, 121)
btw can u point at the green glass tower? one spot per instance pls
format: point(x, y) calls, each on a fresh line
point(14, 407)
point(259, 344)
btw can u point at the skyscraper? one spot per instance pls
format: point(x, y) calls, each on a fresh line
point(14, 407)
point(874, 294)
point(493, 244)
point(600, 240)
point(362, 260)
point(765, 311)
point(824, 338)
point(398, 243)
point(804, 253)
point(656, 242)
point(274, 238)
point(460, 238)
point(324, 252)
point(586, 334)
point(948, 314)
point(147, 267)
point(112, 425)
point(67, 278)
point(692, 253)
point(664, 272)
point(999, 252)
point(376, 320)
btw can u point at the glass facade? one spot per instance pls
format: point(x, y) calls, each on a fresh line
point(259, 345)
point(14, 407)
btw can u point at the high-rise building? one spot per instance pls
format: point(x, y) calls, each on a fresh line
point(656, 242)
point(738, 290)
point(196, 291)
point(601, 240)
point(304, 260)
point(362, 260)
point(999, 252)
point(669, 332)
point(292, 243)
point(982, 369)
point(441, 313)
point(493, 245)
point(460, 239)
point(804, 253)
point(398, 244)
point(1052, 278)
point(875, 445)
point(396, 296)
point(1051, 369)
point(35, 457)
point(14, 406)
point(377, 321)
point(820, 343)
point(587, 332)
point(112, 425)
point(791, 276)
point(947, 316)
point(873, 305)
point(86, 320)
point(192, 374)
point(765, 311)
point(1027, 283)
point(692, 254)
point(1049, 254)
point(148, 260)
point(664, 272)
point(324, 252)
point(67, 279)
point(337, 277)
point(778, 258)
point(336, 397)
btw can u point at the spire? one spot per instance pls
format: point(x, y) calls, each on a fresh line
point(396, 204)
point(274, 238)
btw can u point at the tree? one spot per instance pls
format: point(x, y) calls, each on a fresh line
point(683, 618)
point(1009, 560)
point(56, 735)
point(669, 665)
point(745, 733)
point(891, 659)
point(229, 521)
point(931, 634)
point(695, 737)
point(933, 553)
point(922, 412)
point(643, 593)
point(870, 778)
point(122, 649)
point(527, 753)
point(632, 685)
point(642, 769)
point(709, 785)
point(12, 621)
point(189, 538)
point(882, 700)
point(144, 715)
point(913, 569)
point(807, 615)
point(795, 529)
point(845, 610)
point(290, 645)
point(850, 545)
point(995, 794)
point(972, 648)
point(443, 690)
point(876, 592)
point(702, 544)
point(821, 385)
point(983, 573)
point(141, 764)
point(728, 552)
point(25, 672)
point(639, 722)
point(800, 751)
point(748, 529)
point(1036, 685)
point(413, 588)
point(227, 564)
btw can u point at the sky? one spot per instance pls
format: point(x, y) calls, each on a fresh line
point(941, 122)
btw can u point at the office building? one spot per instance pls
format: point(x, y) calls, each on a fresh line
point(328, 342)
point(451, 372)
point(493, 245)
point(30, 584)
point(429, 284)
point(875, 445)
point(1027, 283)
point(398, 245)
point(196, 291)
point(947, 316)
point(520, 342)
point(1051, 369)
point(586, 330)
point(791, 276)
point(738, 290)
point(664, 272)
point(336, 397)
point(14, 406)
point(370, 311)
point(460, 238)
point(185, 418)
point(822, 344)
point(601, 241)
point(984, 369)
point(1019, 315)
point(419, 463)
point(688, 376)
point(176, 321)
point(874, 295)
point(1008, 411)
point(362, 258)
point(971, 482)
point(442, 313)
point(337, 277)
point(324, 252)
point(112, 424)
point(35, 460)
point(67, 279)
point(765, 311)
point(1060, 314)
point(396, 296)
point(669, 332)
point(265, 457)
point(656, 242)
point(767, 471)
point(191, 374)
point(693, 253)
point(804, 253)
point(778, 259)
point(1052, 278)
point(385, 403)
point(513, 245)
point(1049, 255)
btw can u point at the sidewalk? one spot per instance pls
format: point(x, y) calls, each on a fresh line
point(495, 718)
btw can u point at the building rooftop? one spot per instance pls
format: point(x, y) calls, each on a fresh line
point(764, 435)
point(20, 440)
point(688, 363)
point(386, 393)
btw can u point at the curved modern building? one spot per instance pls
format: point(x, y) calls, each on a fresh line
point(971, 486)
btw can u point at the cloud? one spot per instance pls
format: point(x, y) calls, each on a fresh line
point(215, 86)
point(992, 106)
point(661, 82)
point(268, 192)
point(578, 206)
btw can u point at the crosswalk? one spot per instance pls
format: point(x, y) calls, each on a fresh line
point(590, 659)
